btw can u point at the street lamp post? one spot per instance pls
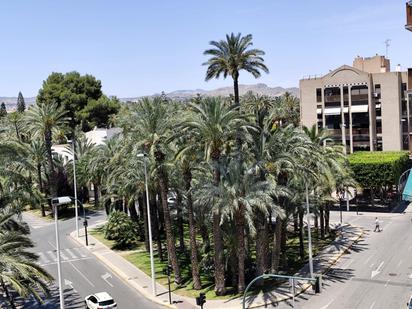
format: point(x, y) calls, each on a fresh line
point(309, 233)
point(75, 187)
point(55, 203)
point(144, 156)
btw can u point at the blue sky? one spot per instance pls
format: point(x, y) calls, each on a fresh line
point(142, 47)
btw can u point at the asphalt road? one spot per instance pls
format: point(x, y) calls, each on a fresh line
point(82, 273)
point(377, 272)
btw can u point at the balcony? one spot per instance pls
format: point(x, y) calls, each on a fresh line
point(409, 86)
point(408, 25)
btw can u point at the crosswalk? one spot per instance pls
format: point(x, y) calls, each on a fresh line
point(66, 255)
point(35, 222)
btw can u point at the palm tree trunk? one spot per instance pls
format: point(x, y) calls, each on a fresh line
point(170, 239)
point(155, 217)
point(236, 90)
point(262, 244)
point(52, 172)
point(96, 194)
point(322, 221)
point(204, 233)
point(8, 296)
point(197, 284)
point(276, 245)
point(301, 236)
point(218, 256)
point(327, 215)
point(295, 222)
point(316, 224)
point(180, 222)
point(241, 252)
point(43, 210)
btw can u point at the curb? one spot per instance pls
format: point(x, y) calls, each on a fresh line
point(123, 276)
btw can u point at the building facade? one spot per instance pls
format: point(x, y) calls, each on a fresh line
point(363, 107)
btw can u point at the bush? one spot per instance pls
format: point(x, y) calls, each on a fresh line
point(121, 229)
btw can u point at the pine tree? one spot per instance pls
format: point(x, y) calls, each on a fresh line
point(21, 106)
point(3, 111)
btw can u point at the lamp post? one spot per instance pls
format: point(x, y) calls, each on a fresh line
point(309, 233)
point(149, 225)
point(55, 203)
point(75, 187)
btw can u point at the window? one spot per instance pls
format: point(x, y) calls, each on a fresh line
point(403, 90)
point(318, 95)
point(106, 302)
point(377, 93)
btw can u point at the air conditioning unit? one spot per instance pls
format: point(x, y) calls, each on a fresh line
point(375, 95)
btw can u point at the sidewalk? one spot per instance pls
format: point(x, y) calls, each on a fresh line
point(142, 283)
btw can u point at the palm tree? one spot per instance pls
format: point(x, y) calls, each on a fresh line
point(18, 268)
point(230, 56)
point(42, 120)
point(214, 125)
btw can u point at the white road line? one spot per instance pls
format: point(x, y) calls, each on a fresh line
point(84, 277)
point(63, 256)
point(399, 263)
point(80, 252)
point(386, 284)
point(367, 260)
point(52, 255)
point(373, 304)
point(53, 246)
point(79, 259)
point(43, 257)
point(324, 307)
point(71, 253)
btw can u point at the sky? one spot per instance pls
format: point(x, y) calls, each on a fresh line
point(143, 47)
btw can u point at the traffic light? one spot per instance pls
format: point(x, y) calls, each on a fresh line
point(201, 299)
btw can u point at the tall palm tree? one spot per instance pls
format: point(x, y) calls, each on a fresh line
point(230, 56)
point(18, 268)
point(214, 125)
point(42, 120)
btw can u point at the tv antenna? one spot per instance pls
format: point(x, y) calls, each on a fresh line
point(387, 44)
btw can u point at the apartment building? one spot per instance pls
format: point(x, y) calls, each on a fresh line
point(408, 25)
point(364, 106)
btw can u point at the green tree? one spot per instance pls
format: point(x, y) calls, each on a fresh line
point(98, 113)
point(230, 56)
point(71, 91)
point(42, 120)
point(21, 106)
point(3, 110)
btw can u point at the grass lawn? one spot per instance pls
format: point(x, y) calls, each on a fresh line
point(141, 259)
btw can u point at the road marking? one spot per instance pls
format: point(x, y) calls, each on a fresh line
point(367, 260)
point(74, 260)
point(84, 277)
point(386, 284)
point(107, 276)
point(377, 271)
point(70, 284)
point(52, 255)
point(324, 307)
point(43, 257)
point(51, 245)
point(373, 304)
point(399, 263)
point(71, 253)
point(79, 252)
point(63, 256)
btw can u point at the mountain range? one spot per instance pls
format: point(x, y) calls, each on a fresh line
point(260, 88)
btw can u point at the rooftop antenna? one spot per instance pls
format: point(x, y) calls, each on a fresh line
point(387, 44)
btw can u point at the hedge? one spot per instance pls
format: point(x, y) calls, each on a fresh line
point(379, 168)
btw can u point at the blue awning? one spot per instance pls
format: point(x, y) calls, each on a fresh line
point(407, 191)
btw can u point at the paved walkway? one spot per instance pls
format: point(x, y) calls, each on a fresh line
point(142, 283)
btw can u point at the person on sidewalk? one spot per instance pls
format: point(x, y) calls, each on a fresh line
point(377, 227)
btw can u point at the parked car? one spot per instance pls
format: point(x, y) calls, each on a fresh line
point(409, 304)
point(100, 300)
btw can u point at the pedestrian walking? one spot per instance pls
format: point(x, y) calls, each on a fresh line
point(377, 227)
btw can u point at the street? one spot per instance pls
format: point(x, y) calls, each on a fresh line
point(377, 271)
point(82, 273)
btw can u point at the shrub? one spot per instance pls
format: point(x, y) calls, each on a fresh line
point(121, 229)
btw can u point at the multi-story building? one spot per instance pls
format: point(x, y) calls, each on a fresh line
point(364, 106)
point(408, 25)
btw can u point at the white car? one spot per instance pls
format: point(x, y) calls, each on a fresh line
point(409, 304)
point(100, 300)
